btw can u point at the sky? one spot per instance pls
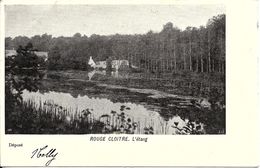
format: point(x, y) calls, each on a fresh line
point(66, 20)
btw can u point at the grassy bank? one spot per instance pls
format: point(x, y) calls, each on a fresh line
point(182, 83)
point(50, 118)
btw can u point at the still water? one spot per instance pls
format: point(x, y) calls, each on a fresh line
point(169, 107)
point(145, 115)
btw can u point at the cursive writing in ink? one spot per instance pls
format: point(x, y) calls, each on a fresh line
point(44, 152)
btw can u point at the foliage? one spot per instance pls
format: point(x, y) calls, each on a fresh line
point(21, 72)
point(50, 118)
point(193, 49)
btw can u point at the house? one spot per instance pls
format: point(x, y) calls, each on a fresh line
point(120, 64)
point(40, 54)
point(9, 53)
point(98, 64)
point(116, 64)
point(91, 62)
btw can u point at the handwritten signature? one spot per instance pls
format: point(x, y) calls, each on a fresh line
point(45, 153)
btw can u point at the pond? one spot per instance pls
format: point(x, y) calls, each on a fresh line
point(122, 105)
point(140, 113)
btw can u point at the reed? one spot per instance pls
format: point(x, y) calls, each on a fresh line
point(46, 117)
point(49, 118)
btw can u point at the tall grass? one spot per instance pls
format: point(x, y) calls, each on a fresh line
point(49, 118)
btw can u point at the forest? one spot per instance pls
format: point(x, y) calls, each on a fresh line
point(197, 49)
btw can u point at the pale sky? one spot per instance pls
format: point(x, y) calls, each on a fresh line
point(66, 20)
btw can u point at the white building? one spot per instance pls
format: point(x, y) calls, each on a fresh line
point(116, 64)
point(41, 54)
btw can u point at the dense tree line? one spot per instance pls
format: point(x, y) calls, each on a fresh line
point(193, 49)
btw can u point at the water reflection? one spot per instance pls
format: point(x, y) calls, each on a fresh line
point(146, 118)
point(155, 106)
point(113, 74)
point(92, 73)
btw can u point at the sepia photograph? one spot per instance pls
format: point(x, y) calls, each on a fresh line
point(115, 69)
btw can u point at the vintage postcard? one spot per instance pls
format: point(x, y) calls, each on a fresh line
point(130, 83)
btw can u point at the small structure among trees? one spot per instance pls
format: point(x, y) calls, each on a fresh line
point(109, 64)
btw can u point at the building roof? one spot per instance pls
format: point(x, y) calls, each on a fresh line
point(42, 54)
point(9, 53)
